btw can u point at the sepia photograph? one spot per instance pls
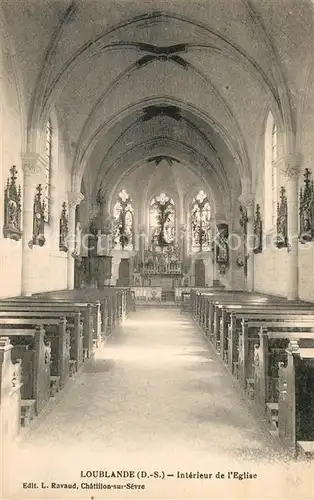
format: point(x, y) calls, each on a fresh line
point(157, 249)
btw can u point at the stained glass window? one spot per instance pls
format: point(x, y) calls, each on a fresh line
point(123, 214)
point(271, 187)
point(274, 183)
point(47, 188)
point(162, 221)
point(200, 223)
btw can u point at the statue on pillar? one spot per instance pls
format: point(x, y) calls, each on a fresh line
point(12, 207)
point(282, 220)
point(38, 218)
point(258, 231)
point(307, 209)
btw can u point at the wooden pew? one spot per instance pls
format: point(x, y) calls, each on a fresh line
point(286, 321)
point(62, 326)
point(196, 294)
point(262, 318)
point(31, 347)
point(116, 302)
point(231, 314)
point(268, 353)
point(10, 392)
point(90, 314)
point(131, 301)
point(208, 316)
point(212, 295)
point(296, 400)
point(221, 308)
point(248, 337)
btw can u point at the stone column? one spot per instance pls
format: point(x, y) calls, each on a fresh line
point(74, 199)
point(78, 238)
point(231, 243)
point(107, 232)
point(33, 165)
point(213, 254)
point(183, 242)
point(142, 241)
point(247, 201)
point(136, 236)
point(291, 172)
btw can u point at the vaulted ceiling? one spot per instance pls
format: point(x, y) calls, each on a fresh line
point(134, 79)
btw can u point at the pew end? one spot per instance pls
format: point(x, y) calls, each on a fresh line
point(10, 397)
point(28, 411)
point(272, 416)
point(55, 385)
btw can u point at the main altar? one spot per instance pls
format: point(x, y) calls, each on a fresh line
point(159, 274)
point(160, 268)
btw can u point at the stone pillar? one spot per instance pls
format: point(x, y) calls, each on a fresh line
point(183, 242)
point(230, 270)
point(107, 232)
point(247, 201)
point(33, 165)
point(213, 254)
point(142, 242)
point(74, 199)
point(291, 172)
point(78, 238)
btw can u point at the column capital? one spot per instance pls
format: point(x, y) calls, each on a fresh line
point(291, 166)
point(74, 198)
point(246, 199)
point(33, 163)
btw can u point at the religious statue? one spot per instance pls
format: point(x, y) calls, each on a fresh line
point(64, 229)
point(282, 220)
point(307, 209)
point(12, 208)
point(38, 218)
point(258, 232)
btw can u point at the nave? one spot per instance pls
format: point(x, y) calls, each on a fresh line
point(156, 396)
point(157, 246)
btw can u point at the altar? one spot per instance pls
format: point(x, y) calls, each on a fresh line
point(158, 273)
point(160, 268)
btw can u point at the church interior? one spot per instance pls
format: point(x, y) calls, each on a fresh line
point(156, 246)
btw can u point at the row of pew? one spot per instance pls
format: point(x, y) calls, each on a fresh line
point(44, 341)
point(267, 345)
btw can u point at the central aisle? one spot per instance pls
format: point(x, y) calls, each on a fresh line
point(154, 397)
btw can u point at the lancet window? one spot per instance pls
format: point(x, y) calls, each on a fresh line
point(271, 188)
point(200, 223)
point(162, 221)
point(123, 215)
point(47, 185)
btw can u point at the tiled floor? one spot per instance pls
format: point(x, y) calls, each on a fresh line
point(157, 399)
